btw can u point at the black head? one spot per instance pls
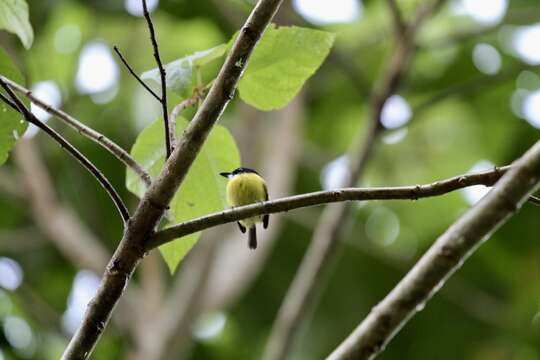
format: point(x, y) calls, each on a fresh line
point(240, 170)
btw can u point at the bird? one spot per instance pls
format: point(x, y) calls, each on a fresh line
point(245, 186)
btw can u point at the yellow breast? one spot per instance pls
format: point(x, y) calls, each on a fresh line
point(245, 189)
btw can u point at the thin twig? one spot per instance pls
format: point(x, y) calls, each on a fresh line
point(415, 192)
point(163, 77)
point(156, 199)
point(134, 74)
point(87, 164)
point(177, 110)
point(82, 129)
point(445, 257)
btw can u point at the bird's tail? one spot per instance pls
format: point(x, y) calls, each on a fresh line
point(252, 238)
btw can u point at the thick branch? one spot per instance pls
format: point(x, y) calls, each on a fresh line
point(163, 78)
point(156, 199)
point(447, 254)
point(487, 178)
point(84, 130)
point(87, 164)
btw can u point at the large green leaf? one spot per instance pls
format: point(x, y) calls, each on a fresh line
point(14, 18)
point(179, 73)
point(203, 189)
point(283, 60)
point(12, 126)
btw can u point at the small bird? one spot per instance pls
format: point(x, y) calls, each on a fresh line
point(246, 187)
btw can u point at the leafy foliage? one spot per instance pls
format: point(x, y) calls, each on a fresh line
point(12, 126)
point(203, 190)
point(180, 76)
point(283, 60)
point(14, 18)
point(490, 309)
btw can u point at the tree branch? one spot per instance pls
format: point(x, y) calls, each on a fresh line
point(87, 164)
point(163, 77)
point(415, 192)
point(177, 110)
point(156, 199)
point(61, 225)
point(324, 243)
point(397, 19)
point(84, 130)
point(134, 74)
point(447, 254)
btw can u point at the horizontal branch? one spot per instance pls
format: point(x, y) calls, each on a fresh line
point(84, 130)
point(487, 178)
point(446, 256)
point(17, 105)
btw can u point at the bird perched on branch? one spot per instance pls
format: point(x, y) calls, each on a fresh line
point(246, 187)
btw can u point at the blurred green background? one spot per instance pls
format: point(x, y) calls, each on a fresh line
point(470, 101)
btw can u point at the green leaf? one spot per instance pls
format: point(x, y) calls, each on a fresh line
point(14, 18)
point(12, 126)
point(203, 189)
point(283, 60)
point(179, 73)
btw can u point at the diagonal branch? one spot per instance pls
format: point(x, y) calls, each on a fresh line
point(156, 199)
point(446, 256)
point(134, 74)
point(163, 77)
point(84, 130)
point(87, 164)
point(415, 192)
point(399, 23)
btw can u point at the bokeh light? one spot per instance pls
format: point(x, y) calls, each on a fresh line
point(531, 108)
point(335, 173)
point(48, 92)
point(396, 112)
point(84, 287)
point(11, 274)
point(487, 59)
point(486, 12)
point(526, 43)
point(324, 12)
point(134, 7)
point(394, 137)
point(19, 334)
point(97, 71)
point(209, 325)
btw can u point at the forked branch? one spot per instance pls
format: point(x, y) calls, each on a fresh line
point(84, 130)
point(17, 105)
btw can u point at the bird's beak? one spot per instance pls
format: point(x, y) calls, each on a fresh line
point(225, 174)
